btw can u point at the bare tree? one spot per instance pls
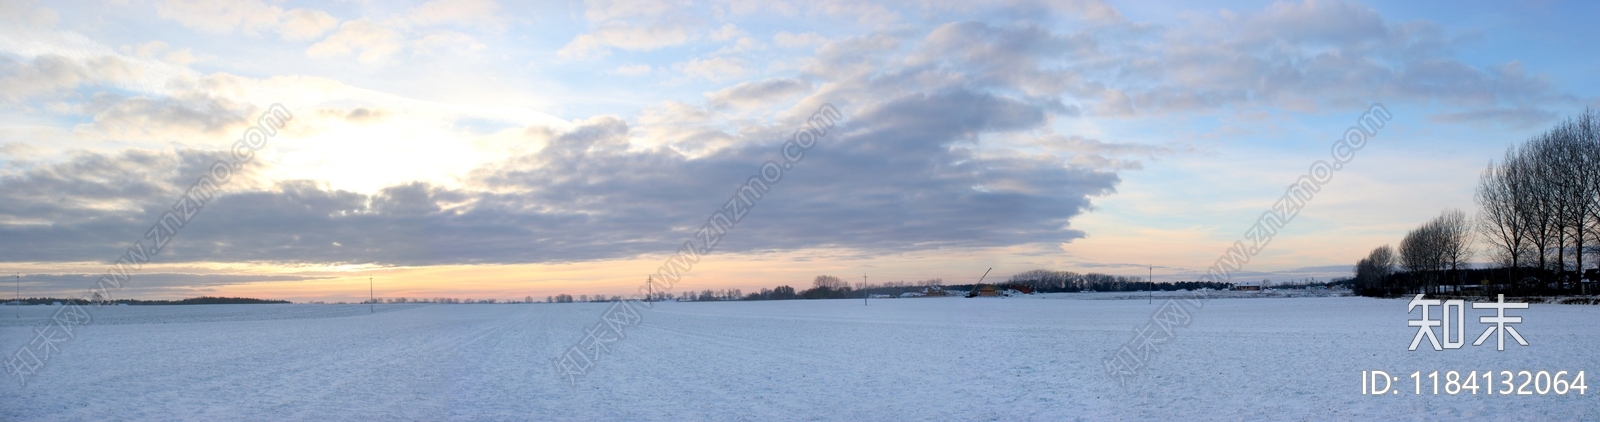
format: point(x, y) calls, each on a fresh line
point(828, 282)
point(1439, 244)
point(1456, 240)
point(1372, 272)
point(1455, 233)
point(1500, 220)
point(1541, 204)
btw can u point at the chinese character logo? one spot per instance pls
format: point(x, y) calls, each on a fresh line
point(1499, 324)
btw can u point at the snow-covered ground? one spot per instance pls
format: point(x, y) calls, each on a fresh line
point(1025, 358)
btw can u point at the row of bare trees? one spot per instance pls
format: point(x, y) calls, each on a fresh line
point(1432, 256)
point(1540, 206)
point(1538, 213)
point(1441, 244)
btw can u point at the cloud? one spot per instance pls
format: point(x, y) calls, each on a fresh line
point(632, 69)
point(374, 41)
point(626, 37)
point(49, 74)
point(1014, 56)
point(1315, 22)
point(1092, 153)
point(747, 7)
point(26, 14)
point(446, 42)
point(590, 194)
point(750, 94)
point(91, 206)
point(605, 10)
point(148, 284)
point(805, 39)
point(478, 13)
point(117, 117)
point(161, 51)
point(1303, 56)
point(715, 68)
point(633, 26)
point(864, 12)
point(727, 32)
point(356, 115)
point(846, 57)
point(1521, 117)
point(306, 24)
point(249, 17)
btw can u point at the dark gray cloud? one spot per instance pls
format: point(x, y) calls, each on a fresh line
point(900, 174)
point(92, 204)
point(144, 285)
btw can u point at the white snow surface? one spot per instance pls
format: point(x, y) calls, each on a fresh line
point(1023, 358)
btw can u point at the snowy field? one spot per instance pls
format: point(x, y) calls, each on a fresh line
point(1026, 358)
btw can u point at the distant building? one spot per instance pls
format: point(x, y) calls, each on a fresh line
point(985, 291)
point(1248, 285)
point(933, 291)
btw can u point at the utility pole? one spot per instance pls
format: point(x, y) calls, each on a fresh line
point(19, 296)
point(372, 298)
point(1152, 278)
point(863, 289)
point(650, 284)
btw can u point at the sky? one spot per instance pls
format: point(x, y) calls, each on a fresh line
point(483, 149)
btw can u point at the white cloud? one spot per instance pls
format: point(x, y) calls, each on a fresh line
point(606, 10)
point(728, 31)
point(804, 39)
point(25, 13)
point(747, 7)
point(249, 17)
point(864, 12)
point(447, 41)
point(483, 13)
point(306, 24)
point(161, 51)
point(625, 37)
point(715, 69)
point(374, 41)
point(633, 26)
point(633, 69)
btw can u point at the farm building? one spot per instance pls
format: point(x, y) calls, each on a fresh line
point(984, 291)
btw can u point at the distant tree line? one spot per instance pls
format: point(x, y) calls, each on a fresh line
point(1051, 281)
point(1538, 215)
point(832, 287)
point(202, 300)
point(444, 300)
